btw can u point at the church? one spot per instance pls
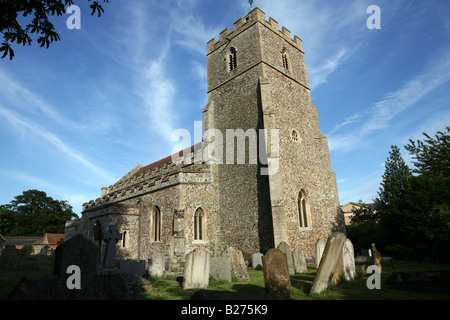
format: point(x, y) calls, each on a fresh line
point(257, 82)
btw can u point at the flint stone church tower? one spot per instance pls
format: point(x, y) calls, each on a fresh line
point(257, 80)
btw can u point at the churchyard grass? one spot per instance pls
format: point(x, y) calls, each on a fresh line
point(170, 288)
point(34, 265)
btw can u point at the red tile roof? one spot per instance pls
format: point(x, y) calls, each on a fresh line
point(168, 159)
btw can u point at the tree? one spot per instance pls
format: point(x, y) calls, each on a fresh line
point(33, 213)
point(14, 32)
point(395, 179)
point(432, 155)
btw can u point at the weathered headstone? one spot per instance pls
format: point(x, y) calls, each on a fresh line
point(257, 261)
point(276, 273)
point(348, 260)
point(111, 237)
point(329, 262)
point(94, 284)
point(12, 258)
point(77, 251)
point(320, 247)
point(196, 269)
point(220, 269)
point(299, 261)
point(156, 266)
point(237, 263)
point(375, 256)
point(286, 249)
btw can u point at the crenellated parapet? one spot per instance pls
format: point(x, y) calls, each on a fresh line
point(142, 180)
point(254, 16)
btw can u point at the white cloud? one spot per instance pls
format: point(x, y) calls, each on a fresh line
point(28, 128)
point(381, 115)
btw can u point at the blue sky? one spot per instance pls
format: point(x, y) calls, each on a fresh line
point(81, 114)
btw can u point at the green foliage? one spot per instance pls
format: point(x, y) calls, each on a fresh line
point(410, 218)
point(432, 155)
point(33, 213)
point(14, 32)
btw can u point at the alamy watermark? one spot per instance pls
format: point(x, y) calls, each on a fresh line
point(374, 21)
point(219, 147)
point(74, 21)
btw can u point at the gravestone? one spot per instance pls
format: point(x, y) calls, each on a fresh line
point(329, 262)
point(237, 263)
point(196, 269)
point(94, 284)
point(257, 261)
point(132, 267)
point(276, 273)
point(220, 269)
point(376, 257)
point(156, 266)
point(320, 247)
point(44, 251)
point(348, 260)
point(111, 236)
point(77, 251)
point(286, 249)
point(12, 258)
point(299, 261)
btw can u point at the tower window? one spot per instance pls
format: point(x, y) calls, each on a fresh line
point(232, 59)
point(303, 210)
point(285, 58)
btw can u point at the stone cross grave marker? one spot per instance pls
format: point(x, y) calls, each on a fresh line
point(111, 237)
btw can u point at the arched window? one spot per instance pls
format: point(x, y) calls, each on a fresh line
point(285, 58)
point(303, 210)
point(199, 221)
point(156, 231)
point(232, 59)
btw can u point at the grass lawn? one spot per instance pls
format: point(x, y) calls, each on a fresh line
point(170, 288)
point(34, 266)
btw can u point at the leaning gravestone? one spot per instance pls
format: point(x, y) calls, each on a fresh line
point(276, 273)
point(286, 249)
point(348, 260)
point(220, 269)
point(237, 263)
point(257, 261)
point(329, 262)
point(196, 269)
point(299, 261)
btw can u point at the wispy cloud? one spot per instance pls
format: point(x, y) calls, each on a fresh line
point(28, 128)
point(380, 115)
